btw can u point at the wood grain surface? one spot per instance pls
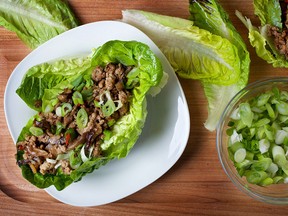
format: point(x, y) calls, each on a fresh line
point(195, 185)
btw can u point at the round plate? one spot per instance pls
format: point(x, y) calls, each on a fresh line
point(161, 143)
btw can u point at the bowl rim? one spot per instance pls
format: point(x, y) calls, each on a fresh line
point(254, 85)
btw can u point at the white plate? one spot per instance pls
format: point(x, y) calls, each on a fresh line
point(161, 143)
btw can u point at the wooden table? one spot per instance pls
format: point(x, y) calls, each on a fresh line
point(195, 185)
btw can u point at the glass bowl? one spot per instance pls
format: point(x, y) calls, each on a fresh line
point(275, 193)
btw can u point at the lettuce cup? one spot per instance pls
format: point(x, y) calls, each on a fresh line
point(89, 111)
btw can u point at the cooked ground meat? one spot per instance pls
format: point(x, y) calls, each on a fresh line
point(280, 36)
point(72, 124)
point(66, 167)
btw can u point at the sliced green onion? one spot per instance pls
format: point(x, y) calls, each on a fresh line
point(246, 115)
point(82, 118)
point(65, 109)
point(261, 122)
point(260, 134)
point(244, 164)
point(59, 127)
point(83, 156)
point(118, 105)
point(91, 151)
point(279, 158)
point(266, 182)
point(108, 108)
point(262, 165)
point(235, 137)
point(111, 122)
point(272, 169)
point(240, 125)
point(77, 98)
point(270, 111)
point(64, 156)
point(97, 104)
point(280, 136)
point(258, 110)
point(282, 108)
point(75, 160)
point(48, 108)
point(235, 146)
point(107, 105)
point(284, 95)
point(283, 119)
point(36, 131)
point(269, 132)
point(107, 134)
point(278, 179)
point(264, 145)
point(58, 111)
point(87, 94)
point(235, 114)
point(249, 155)
point(77, 81)
point(105, 96)
point(255, 177)
point(263, 99)
point(252, 132)
point(240, 155)
point(277, 152)
point(258, 138)
point(52, 161)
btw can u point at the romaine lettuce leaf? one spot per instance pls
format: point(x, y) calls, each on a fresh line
point(263, 44)
point(188, 45)
point(147, 73)
point(211, 16)
point(36, 21)
point(193, 52)
point(269, 12)
point(47, 76)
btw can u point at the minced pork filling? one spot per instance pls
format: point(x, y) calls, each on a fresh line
point(280, 36)
point(82, 118)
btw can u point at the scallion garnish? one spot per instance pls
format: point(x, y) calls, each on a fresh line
point(258, 138)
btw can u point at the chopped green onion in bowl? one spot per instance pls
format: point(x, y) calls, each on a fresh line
point(252, 140)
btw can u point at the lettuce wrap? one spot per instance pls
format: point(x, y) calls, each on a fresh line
point(269, 40)
point(75, 89)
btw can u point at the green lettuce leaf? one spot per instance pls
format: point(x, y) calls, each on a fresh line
point(192, 52)
point(47, 76)
point(192, 48)
point(269, 12)
point(211, 16)
point(36, 21)
point(147, 73)
point(263, 44)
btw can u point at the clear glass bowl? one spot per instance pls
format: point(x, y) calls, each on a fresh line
point(275, 193)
